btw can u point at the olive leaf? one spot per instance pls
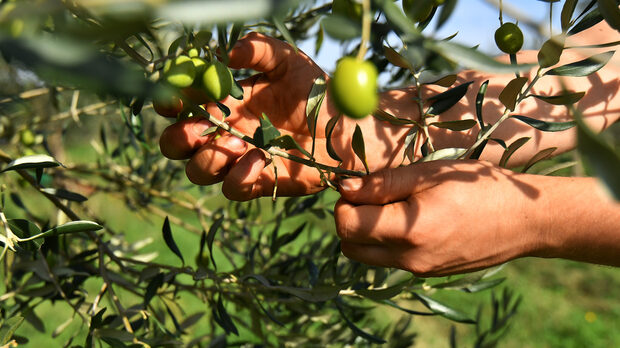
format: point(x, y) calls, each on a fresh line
point(287, 142)
point(32, 162)
point(329, 129)
point(265, 133)
point(447, 99)
point(474, 59)
point(550, 52)
point(511, 150)
point(359, 147)
point(540, 156)
point(458, 125)
point(565, 98)
point(340, 28)
point(445, 81)
point(592, 18)
point(545, 126)
point(510, 93)
point(445, 13)
point(65, 194)
point(583, 67)
point(387, 117)
point(167, 233)
point(609, 11)
point(444, 154)
point(371, 338)
point(444, 310)
point(211, 237)
point(601, 157)
point(313, 105)
point(479, 101)
point(567, 14)
point(395, 58)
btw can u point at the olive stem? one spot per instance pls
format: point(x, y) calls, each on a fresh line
point(272, 150)
point(504, 117)
point(366, 21)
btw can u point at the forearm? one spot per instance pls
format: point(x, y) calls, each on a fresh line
point(577, 220)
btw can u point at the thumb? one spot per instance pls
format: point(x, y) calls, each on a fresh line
point(385, 186)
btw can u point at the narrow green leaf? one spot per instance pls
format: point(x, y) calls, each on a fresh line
point(383, 294)
point(444, 310)
point(601, 157)
point(511, 150)
point(313, 105)
point(24, 229)
point(329, 129)
point(583, 67)
point(458, 125)
point(444, 154)
point(167, 233)
point(567, 14)
point(236, 91)
point(340, 28)
point(229, 325)
point(64, 194)
point(8, 328)
point(566, 98)
point(235, 33)
point(447, 99)
point(359, 147)
point(318, 43)
point(510, 93)
point(446, 11)
point(551, 51)
point(387, 117)
point(478, 151)
point(97, 319)
point(284, 31)
point(474, 59)
point(479, 101)
point(545, 125)
point(445, 81)
point(611, 13)
point(540, 156)
point(32, 162)
point(406, 310)
point(211, 237)
point(152, 287)
point(285, 239)
point(265, 133)
point(484, 285)
point(395, 58)
point(73, 227)
point(396, 17)
point(359, 332)
point(287, 142)
point(591, 19)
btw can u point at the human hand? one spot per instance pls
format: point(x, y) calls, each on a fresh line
point(280, 91)
point(444, 217)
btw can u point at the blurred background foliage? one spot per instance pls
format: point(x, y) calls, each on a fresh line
point(174, 264)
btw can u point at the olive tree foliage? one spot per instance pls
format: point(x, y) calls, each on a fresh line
point(79, 139)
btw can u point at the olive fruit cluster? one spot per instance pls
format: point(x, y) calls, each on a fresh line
point(198, 80)
point(354, 87)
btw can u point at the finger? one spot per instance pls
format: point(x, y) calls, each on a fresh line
point(393, 184)
point(246, 179)
point(374, 255)
point(373, 224)
point(180, 140)
point(210, 163)
point(259, 52)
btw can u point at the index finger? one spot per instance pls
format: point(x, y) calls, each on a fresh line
point(259, 52)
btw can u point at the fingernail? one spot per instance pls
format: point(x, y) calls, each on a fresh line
point(235, 143)
point(351, 184)
point(200, 127)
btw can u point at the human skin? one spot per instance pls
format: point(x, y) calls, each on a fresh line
point(495, 215)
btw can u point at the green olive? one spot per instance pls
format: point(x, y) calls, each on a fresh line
point(354, 87)
point(348, 8)
point(168, 105)
point(418, 10)
point(180, 72)
point(509, 38)
point(27, 138)
point(217, 81)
